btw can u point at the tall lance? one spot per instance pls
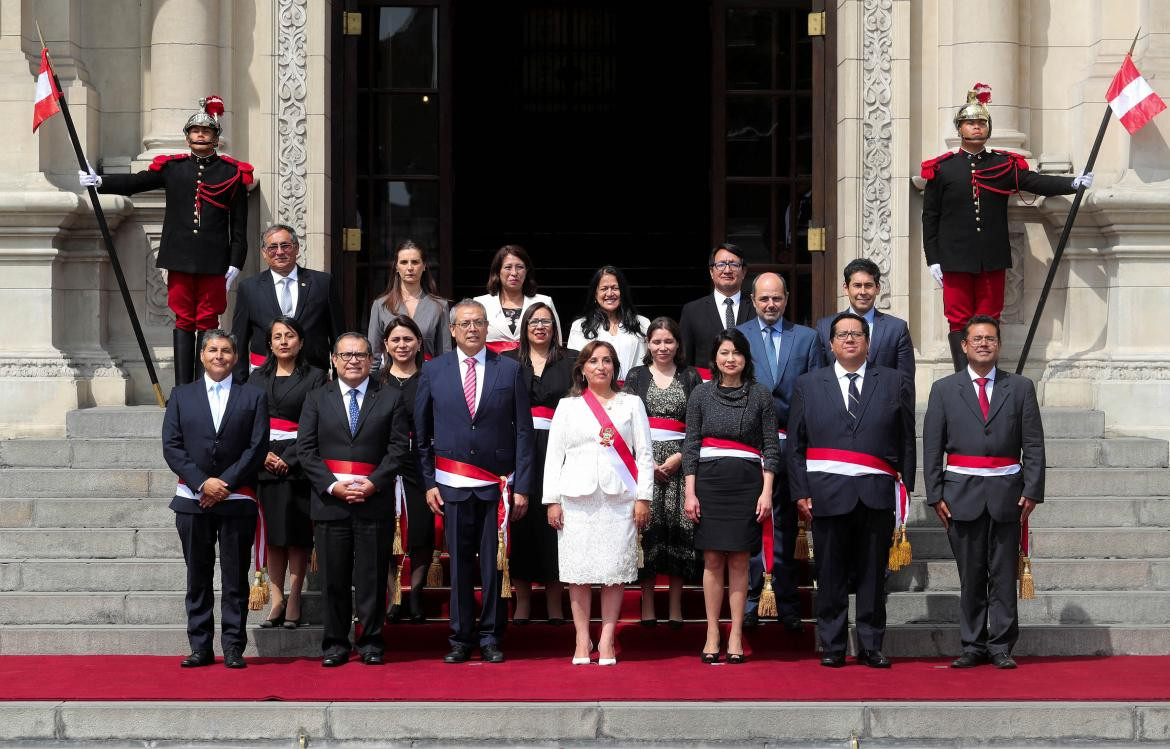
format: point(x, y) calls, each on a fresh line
point(100, 215)
point(1064, 234)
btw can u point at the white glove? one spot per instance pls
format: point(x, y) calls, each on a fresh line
point(1084, 179)
point(936, 274)
point(230, 276)
point(89, 179)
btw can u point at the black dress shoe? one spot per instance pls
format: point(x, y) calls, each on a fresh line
point(833, 660)
point(873, 659)
point(394, 613)
point(751, 621)
point(1003, 660)
point(491, 654)
point(233, 658)
point(791, 623)
point(969, 660)
point(198, 658)
point(522, 622)
point(674, 623)
point(556, 621)
point(333, 660)
point(458, 654)
point(709, 658)
point(372, 659)
point(648, 622)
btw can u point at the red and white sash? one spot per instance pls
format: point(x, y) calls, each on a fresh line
point(781, 435)
point(613, 445)
point(281, 429)
point(982, 465)
point(255, 361)
point(666, 430)
point(499, 347)
point(850, 463)
point(244, 492)
point(466, 476)
point(714, 447)
point(260, 542)
point(350, 470)
point(705, 373)
point(542, 417)
point(401, 514)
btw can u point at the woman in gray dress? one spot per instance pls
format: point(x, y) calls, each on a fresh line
point(411, 292)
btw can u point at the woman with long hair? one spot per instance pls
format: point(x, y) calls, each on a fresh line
point(283, 491)
point(730, 456)
point(511, 290)
point(610, 316)
point(411, 291)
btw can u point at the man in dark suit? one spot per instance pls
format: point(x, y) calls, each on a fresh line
point(983, 462)
point(474, 426)
point(889, 344)
point(215, 438)
point(723, 308)
point(781, 352)
point(308, 296)
point(352, 441)
point(850, 437)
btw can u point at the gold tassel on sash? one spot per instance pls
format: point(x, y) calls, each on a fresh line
point(258, 593)
point(502, 565)
point(905, 553)
point(396, 588)
point(435, 571)
point(802, 551)
point(641, 553)
point(1027, 584)
point(894, 559)
point(767, 598)
point(397, 550)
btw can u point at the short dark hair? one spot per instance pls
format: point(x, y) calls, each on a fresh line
point(733, 249)
point(670, 326)
point(849, 316)
point(980, 320)
point(863, 265)
point(216, 333)
point(578, 376)
point(300, 366)
point(555, 350)
point(353, 334)
point(493, 282)
point(740, 341)
point(401, 321)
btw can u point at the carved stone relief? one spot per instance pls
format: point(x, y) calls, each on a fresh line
point(1013, 293)
point(877, 139)
point(291, 114)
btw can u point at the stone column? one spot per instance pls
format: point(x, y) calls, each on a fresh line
point(986, 49)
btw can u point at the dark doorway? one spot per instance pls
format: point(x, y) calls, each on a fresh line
point(582, 132)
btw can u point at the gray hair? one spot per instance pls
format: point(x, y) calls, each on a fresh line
point(465, 302)
point(217, 334)
point(292, 233)
point(353, 334)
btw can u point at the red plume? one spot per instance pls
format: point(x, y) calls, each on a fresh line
point(213, 105)
point(983, 93)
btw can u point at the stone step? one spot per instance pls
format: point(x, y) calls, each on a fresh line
point(1051, 575)
point(1064, 543)
point(1062, 423)
point(1131, 607)
point(100, 482)
point(1111, 452)
point(82, 453)
point(1096, 482)
point(1072, 512)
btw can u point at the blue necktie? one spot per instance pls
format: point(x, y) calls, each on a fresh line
point(770, 350)
point(353, 412)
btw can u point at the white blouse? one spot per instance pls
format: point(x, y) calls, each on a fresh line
point(575, 465)
point(631, 347)
point(498, 325)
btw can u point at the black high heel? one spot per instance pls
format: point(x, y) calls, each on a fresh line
point(275, 621)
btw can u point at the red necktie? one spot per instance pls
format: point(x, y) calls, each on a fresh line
point(984, 404)
point(469, 387)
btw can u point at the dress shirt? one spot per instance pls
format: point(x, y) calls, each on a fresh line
point(361, 399)
point(843, 381)
point(293, 288)
point(869, 318)
point(217, 397)
point(990, 382)
point(721, 304)
point(777, 336)
point(480, 363)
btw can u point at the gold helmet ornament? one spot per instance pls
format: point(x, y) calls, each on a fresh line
point(210, 109)
point(976, 107)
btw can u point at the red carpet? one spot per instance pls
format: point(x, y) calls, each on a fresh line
point(787, 677)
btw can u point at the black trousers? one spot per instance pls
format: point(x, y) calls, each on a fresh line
point(199, 533)
point(470, 530)
point(354, 555)
point(986, 553)
point(852, 547)
point(785, 568)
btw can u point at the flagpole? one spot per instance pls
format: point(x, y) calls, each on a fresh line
point(100, 215)
point(1064, 234)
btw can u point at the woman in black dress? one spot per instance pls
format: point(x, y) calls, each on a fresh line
point(548, 370)
point(664, 383)
point(403, 345)
point(730, 456)
point(283, 490)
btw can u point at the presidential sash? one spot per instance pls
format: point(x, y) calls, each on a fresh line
point(982, 465)
point(281, 429)
point(542, 417)
point(499, 347)
point(350, 470)
point(260, 542)
point(715, 447)
point(255, 361)
point(613, 445)
point(460, 475)
point(667, 430)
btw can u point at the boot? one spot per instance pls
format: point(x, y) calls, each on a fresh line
point(184, 344)
point(199, 359)
point(957, 356)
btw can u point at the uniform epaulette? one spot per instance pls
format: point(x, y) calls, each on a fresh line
point(1019, 161)
point(161, 161)
point(930, 166)
point(245, 168)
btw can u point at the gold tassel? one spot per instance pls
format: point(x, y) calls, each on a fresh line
point(767, 605)
point(501, 551)
point(802, 550)
point(894, 559)
point(641, 553)
point(1020, 565)
point(1027, 584)
point(313, 561)
point(396, 588)
point(435, 571)
point(505, 581)
point(397, 550)
point(905, 553)
point(258, 593)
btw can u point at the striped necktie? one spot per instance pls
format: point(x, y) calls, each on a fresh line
point(854, 395)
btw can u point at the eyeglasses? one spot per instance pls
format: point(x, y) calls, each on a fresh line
point(539, 323)
point(984, 339)
point(844, 334)
point(727, 265)
point(467, 324)
point(282, 247)
point(353, 355)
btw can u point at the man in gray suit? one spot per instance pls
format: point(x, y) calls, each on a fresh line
point(983, 460)
point(781, 352)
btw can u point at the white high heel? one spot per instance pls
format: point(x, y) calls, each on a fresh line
point(586, 660)
point(607, 661)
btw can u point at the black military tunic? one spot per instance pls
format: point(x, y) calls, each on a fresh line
point(206, 221)
point(964, 211)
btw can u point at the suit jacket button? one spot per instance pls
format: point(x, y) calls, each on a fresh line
point(473, 427)
point(473, 452)
point(194, 231)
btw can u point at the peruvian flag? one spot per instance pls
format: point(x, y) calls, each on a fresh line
point(1132, 99)
point(45, 103)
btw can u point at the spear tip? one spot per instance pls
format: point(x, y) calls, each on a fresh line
point(1135, 40)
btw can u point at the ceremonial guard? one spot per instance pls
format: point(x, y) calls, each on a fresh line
point(204, 228)
point(964, 217)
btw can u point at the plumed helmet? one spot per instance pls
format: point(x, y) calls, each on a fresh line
point(210, 109)
point(976, 107)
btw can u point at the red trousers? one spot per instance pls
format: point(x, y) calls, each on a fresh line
point(968, 294)
point(197, 299)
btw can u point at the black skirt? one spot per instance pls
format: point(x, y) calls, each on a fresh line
point(286, 512)
point(728, 490)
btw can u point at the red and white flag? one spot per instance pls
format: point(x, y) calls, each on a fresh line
point(1131, 98)
point(45, 102)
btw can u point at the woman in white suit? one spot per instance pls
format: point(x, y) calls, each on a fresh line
point(598, 483)
point(511, 288)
